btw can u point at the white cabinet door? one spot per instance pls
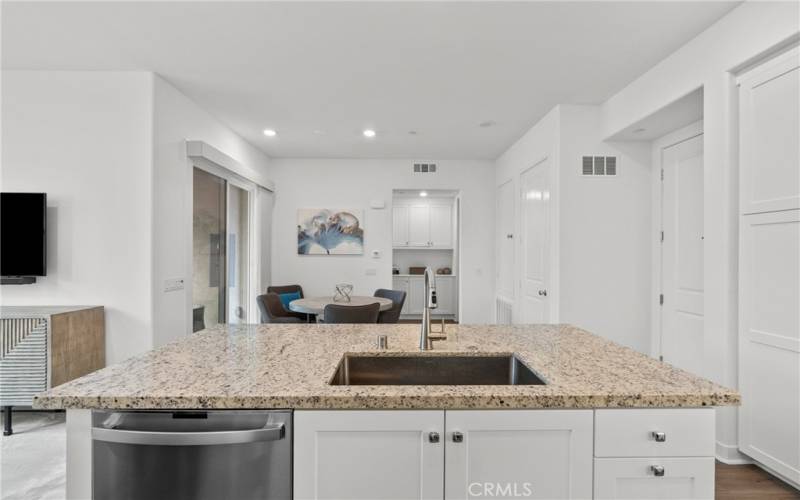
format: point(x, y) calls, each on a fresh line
point(416, 298)
point(419, 232)
point(441, 226)
point(445, 295)
point(769, 340)
point(368, 455)
point(519, 453)
point(769, 97)
point(635, 479)
point(402, 284)
point(400, 226)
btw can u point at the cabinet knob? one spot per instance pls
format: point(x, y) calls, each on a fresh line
point(543, 293)
point(433, 437)
point(657, 470)
point(660, 437)
point(458, 437)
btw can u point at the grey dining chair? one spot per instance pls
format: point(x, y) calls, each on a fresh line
point(335, 313)
point(398, 298)
point(272, 310)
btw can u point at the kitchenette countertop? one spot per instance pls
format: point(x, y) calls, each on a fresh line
point(289, 366)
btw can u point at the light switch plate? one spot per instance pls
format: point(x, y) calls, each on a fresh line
point(172, 285)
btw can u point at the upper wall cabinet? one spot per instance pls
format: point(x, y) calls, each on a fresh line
point(769, 128)
point(423, 225)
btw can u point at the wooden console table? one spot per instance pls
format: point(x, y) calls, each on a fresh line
point(44, 346)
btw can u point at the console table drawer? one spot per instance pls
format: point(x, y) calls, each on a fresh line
point(654, 433)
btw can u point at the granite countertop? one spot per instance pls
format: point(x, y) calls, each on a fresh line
point(289, 366)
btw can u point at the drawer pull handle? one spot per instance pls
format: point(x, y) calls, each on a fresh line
point(657, 470)
point(433, 437)
point(660, 437)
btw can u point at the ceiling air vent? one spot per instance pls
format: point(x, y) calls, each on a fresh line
point(599, 165)
point(424, 168)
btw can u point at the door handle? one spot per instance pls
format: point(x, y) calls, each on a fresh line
point(543, 293)
point(272, 433)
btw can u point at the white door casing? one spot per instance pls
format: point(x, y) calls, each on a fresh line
point(682, 325)
point(505, 240)
point(535, 243)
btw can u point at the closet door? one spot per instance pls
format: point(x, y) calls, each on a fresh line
point(769, 265)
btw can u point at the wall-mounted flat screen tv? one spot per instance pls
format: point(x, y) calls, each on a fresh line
point(23, 234)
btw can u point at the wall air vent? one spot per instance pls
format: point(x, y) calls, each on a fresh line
point(599, 165)
point(424, 168)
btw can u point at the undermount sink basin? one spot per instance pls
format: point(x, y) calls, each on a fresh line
point(506, 369)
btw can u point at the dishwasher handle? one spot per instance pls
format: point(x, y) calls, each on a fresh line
point(271, 433)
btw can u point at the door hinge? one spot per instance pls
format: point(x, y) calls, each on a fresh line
point(662, 174)
point(661, 299)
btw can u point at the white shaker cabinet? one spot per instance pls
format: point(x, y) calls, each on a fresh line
point(418, 226)
point(769, 245)
point(423, 225)
point(666, 454)
point(414, 286)
point(369, 455)
point(519, 453)
point(636, 479)
point(441, 226)
point(403, 284)
point(400, 221)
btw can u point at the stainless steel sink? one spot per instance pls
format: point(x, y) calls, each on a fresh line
point(506, 369)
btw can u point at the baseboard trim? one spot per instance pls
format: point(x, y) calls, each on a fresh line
point(730, 455)
point(777, 475)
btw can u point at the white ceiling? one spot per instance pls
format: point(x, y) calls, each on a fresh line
point(319, 73)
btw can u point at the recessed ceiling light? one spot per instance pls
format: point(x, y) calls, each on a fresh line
point(487, 124)
point(369, 133)
point(423, 193)
point(270, 132)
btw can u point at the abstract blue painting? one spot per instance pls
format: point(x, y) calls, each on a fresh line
point(323, 231)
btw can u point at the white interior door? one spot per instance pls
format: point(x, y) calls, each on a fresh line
point(535, 241)
point(682, 341)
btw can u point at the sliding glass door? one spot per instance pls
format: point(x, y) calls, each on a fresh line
point(221, 249)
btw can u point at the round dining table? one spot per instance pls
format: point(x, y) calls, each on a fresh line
point(316, 305)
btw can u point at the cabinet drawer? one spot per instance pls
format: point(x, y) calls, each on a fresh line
point(634, 478)
point(630, 433)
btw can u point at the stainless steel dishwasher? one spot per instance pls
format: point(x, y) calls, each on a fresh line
point(198, 455)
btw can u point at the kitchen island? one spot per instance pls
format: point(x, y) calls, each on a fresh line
point(607, 422)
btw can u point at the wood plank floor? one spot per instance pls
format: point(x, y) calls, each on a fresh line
point(748, 482)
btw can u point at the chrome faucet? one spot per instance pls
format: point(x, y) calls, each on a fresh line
point(425, 343)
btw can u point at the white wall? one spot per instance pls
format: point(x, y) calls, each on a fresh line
point(177, 119)
point(707, 61)
point(314, 183)
point(605, 233)
point(600, 227)
point(84, 138)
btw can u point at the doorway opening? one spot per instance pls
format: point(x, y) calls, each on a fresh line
point(221, 244)
point(425, 233)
